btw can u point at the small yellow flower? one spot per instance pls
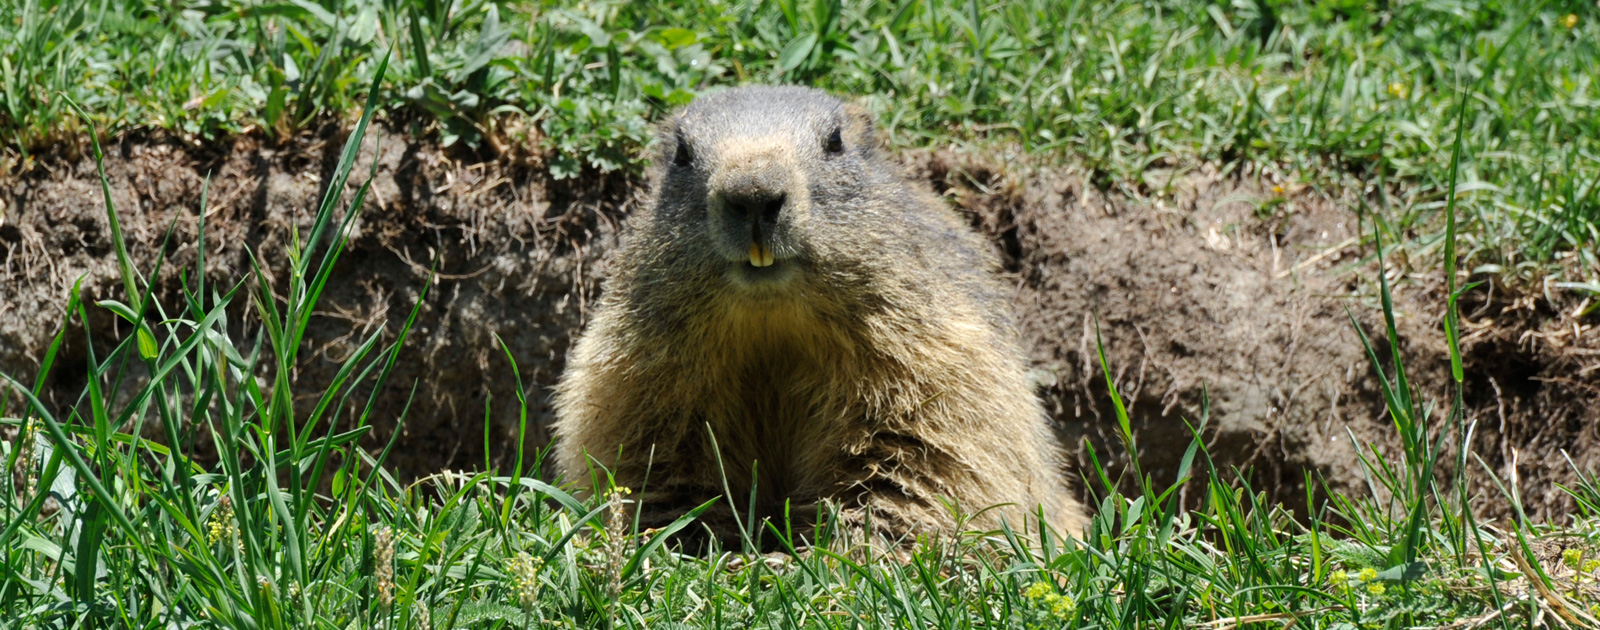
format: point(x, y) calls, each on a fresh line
point(1569, 21)
point(1376, 588)
point(1368, 574)
point(1339, 579)
point(1590, 566)
point(216, 529)
point(221, 527)
point(1399, 90)
point(524, 573)
point(1061, 607)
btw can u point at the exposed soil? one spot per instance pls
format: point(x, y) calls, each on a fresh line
point(1202, 300)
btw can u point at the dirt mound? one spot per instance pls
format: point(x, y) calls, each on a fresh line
point(1235, 295)
point(1219, 290)
point(1195, 308)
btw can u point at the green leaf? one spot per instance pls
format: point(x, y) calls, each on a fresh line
point(578, 526)
point(679, 98)
point(566, 500)
point(1493, 573)
point(598, 37)
point(1135, 512)
point(675, 38)
point(365, 26)
point(276, 99)
point(122, 310)
point(318, 12)
point(86, 569)
point(661, 536)
point(796, 51)
point(491, 41)
point(296, 9)
point(147, 343)
point(1404, 572)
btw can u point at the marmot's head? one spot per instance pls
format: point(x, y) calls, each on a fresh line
point(770, 188)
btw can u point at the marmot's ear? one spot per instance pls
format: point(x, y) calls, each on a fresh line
point(667, 147)
point(665, 141)
point(864, 125)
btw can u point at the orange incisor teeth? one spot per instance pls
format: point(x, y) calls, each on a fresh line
point(760, 255)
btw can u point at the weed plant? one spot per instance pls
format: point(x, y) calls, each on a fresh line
point(1328, 94)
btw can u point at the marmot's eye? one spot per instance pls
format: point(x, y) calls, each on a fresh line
point(835, 142)
point(682, 157)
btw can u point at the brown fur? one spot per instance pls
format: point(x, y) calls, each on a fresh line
point(873, 365)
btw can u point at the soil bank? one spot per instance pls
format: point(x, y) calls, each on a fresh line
point(1227, 297)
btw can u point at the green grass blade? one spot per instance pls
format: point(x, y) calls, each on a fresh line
point(662, 535)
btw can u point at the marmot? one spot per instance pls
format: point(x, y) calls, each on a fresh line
point(839, 330)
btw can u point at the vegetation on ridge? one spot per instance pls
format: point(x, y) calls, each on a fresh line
point(1326, 94)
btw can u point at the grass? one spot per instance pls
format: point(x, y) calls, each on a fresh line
point(295, 526)
point(1330, 94)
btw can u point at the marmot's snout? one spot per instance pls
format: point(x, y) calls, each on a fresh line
point(751, 198)
point(759, 208)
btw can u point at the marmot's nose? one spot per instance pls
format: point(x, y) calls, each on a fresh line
point(764, 206)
